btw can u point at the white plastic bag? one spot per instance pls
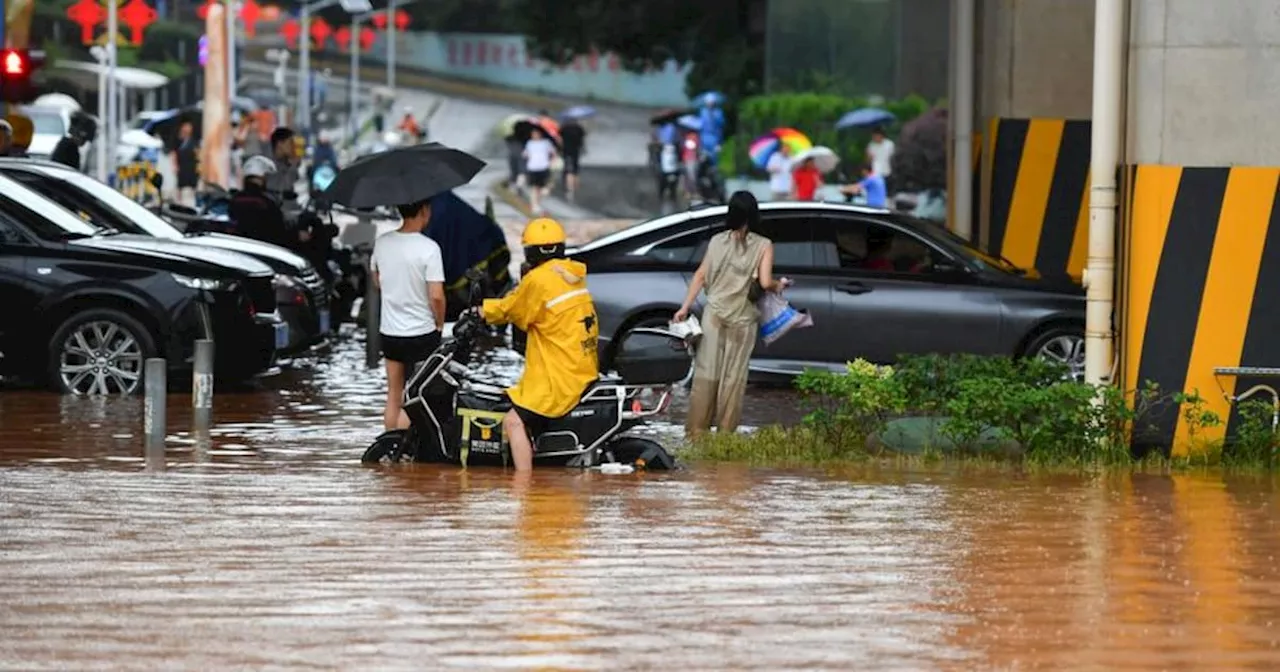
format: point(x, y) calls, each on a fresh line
point(777, 317)
point(690, 330)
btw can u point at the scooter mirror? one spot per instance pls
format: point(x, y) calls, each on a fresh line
point(157, 180)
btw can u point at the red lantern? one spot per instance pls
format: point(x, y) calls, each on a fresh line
point(250, 14)
point(203, 10)
point(402, 19)
point(86, 14)
point(137, 15)
point(380, 20)
point(343, 37)
point(367, 36)
point(320, 32)
point(291, 31)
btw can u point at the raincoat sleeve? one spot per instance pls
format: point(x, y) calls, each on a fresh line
point(519, 307)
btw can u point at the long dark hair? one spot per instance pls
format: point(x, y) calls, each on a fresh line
point(744, 212)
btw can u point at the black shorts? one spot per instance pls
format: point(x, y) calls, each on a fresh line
point(539, 178)
point(571, 165)
point(409, 350)
point(535, 424)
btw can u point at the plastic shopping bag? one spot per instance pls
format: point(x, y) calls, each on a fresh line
point(777, 317)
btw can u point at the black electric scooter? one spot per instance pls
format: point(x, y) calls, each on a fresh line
point(457, 419)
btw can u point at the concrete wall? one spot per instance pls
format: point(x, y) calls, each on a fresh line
point(503, 60)
point(1035, 58)
point(1204, 82)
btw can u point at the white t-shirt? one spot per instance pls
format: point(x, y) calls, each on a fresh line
point(538, 155)
point(779, 168)
point(881, 154)
point(405, 263)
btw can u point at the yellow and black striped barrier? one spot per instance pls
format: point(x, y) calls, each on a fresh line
point(1036, 183)
point(1201, 283)
point(134, 181)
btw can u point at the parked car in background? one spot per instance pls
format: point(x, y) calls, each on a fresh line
point(878, 285)
point(83, 307)
point(300, 292)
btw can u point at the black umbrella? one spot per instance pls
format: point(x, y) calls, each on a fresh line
point(402, 176)
point(524, 129)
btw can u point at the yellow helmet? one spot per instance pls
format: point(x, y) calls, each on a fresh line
point(542, 232)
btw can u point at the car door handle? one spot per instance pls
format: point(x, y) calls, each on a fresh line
point(853, 288)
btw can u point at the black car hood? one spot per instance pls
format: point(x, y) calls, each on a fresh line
point(281, 260)
point(180, 256)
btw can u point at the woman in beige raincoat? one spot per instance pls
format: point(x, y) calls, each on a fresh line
point(736, 260)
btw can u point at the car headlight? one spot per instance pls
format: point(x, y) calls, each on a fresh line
point(199, 283)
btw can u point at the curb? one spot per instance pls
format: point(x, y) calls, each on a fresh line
point(511, 198)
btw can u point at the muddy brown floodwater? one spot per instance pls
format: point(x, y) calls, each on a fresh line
point(273, 548)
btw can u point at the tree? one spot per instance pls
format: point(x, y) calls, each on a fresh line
point(713, 35)
point(920, 157)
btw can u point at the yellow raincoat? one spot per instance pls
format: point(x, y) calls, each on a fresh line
point(553, 305)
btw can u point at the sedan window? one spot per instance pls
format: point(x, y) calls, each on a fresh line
point(793, 243)
point(863, 245)
point(684, 250)
point(10, 234)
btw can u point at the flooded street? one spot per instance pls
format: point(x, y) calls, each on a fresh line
point(273, 548)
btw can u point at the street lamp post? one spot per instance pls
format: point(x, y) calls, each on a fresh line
point(391, 44)
point(113, 98)
point(304, 59)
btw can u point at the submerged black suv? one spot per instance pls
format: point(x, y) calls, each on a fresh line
point(83, 308)
point(302, 295)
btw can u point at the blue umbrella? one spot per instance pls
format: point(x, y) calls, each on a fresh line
point(578, 112)
point(690, 122)
point(701, 98)
point(867, 116)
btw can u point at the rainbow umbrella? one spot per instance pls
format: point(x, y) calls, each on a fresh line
point(763, 148)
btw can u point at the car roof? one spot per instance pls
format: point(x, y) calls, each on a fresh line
point(43, 165)
point(698, 212)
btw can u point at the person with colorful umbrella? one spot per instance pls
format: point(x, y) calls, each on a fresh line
point(779, 167)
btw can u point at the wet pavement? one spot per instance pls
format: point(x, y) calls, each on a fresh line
point(273, 548)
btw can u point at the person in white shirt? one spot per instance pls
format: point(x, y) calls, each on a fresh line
point(779, 167)
point(409, 270)
point(880, 154)
point(539, 152)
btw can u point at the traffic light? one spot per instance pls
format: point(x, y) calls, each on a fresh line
point(16, 69)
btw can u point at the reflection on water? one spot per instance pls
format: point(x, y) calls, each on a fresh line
point(271, 547)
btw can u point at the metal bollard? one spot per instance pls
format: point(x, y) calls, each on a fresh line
point(153, 415)
point(372, 323)
point(202, 387)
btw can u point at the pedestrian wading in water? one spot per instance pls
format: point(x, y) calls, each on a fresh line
point(736, 270)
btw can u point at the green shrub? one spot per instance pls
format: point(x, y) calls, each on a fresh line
point(1255, 441)
point(815, 115)
point(845, 408)
point(1029, 404)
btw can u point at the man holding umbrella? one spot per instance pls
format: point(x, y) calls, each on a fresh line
point(407, 266)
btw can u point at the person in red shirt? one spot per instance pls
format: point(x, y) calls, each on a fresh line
point(806, 180)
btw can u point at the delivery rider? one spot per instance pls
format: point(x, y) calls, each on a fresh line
point(553, 306)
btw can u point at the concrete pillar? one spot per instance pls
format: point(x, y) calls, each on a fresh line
point(1201, 286)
